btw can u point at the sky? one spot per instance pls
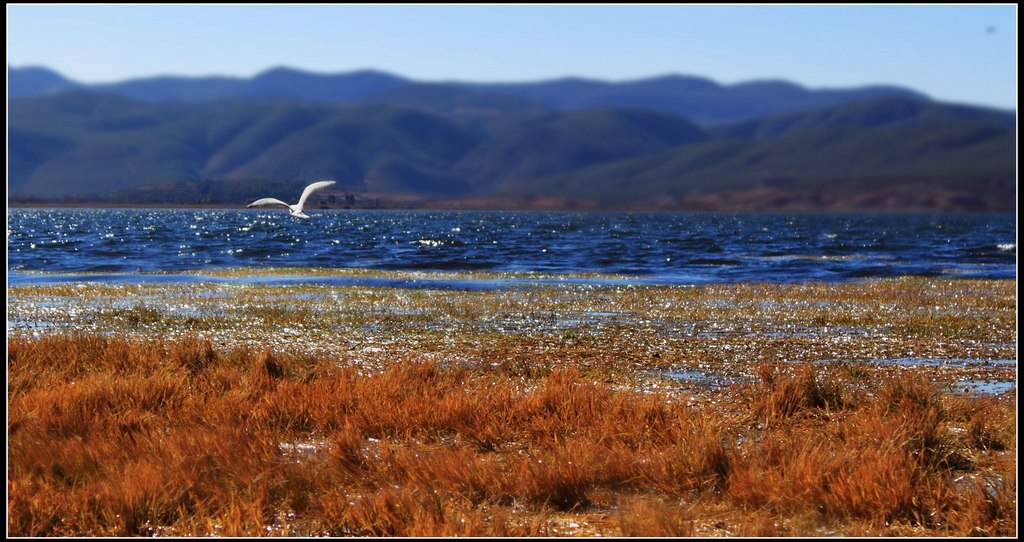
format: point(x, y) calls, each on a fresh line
point(955, 53)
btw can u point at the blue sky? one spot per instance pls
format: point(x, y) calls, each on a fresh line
point(957, 53)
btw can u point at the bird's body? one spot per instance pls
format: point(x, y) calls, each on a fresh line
point(294, 210)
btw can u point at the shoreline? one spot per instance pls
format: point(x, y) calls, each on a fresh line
point(475, 279)
point(238, 306)
point(547, 206)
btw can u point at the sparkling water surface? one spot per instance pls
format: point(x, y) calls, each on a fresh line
point(649, 248)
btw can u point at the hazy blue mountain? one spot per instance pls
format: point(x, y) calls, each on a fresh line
point(871, 113)
point(918, 154)
point(35, 81)
point(175, 89)
point(451, 100)
point(276, 83)
point(700, 100)
point(224, 140)
point(570, 140)
point(295, 84)
point(77, 144)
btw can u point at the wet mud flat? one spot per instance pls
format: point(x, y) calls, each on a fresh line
point(962, 332)
point(613, 407)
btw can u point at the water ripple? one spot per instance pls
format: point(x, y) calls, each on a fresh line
point(666, 247)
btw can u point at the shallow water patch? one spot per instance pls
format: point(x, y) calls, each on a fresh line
point(700, 378)
point(984, 386)
point(946, 362)
point(954, 363)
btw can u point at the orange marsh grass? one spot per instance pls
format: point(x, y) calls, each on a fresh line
point(114, 437)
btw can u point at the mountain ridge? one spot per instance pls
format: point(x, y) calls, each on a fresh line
point(475, 143)
point(697, 98)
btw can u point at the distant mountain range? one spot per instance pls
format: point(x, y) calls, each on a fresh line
point(666, 142)
point(698, 99)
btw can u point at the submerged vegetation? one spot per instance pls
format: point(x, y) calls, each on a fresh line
point(584, 408)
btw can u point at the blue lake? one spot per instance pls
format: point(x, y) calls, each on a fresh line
point(658, 248)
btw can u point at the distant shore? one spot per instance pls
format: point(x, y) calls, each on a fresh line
point(550, 204)
point(109, 205)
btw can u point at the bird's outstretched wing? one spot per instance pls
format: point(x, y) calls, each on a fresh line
point(309, 190)
point(268, 201)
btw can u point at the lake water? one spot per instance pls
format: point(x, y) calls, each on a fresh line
point(667, 248)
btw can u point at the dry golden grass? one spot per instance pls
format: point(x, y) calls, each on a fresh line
point(140, 437)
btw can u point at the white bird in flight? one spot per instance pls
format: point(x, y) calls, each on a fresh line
point(294, 210)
